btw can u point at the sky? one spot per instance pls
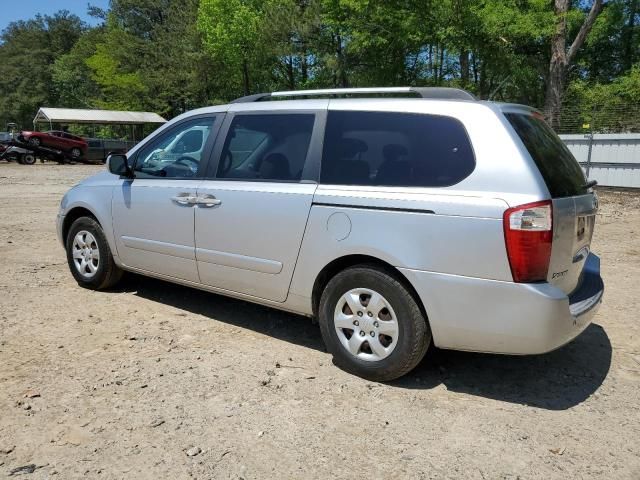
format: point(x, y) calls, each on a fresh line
point(12, 10)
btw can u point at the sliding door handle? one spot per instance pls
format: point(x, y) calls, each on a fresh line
point(208, 201)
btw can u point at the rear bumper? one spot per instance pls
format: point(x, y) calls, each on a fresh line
point(505, 317)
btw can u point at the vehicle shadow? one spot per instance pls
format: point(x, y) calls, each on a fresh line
point(285, 326)
point(555, 381)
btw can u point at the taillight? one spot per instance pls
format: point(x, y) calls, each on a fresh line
point(528, 233)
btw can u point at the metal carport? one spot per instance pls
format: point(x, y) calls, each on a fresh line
point(99, 145)
point(95, 117)
point(102, 117)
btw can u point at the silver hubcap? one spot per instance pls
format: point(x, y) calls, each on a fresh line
point(366, 325)
point(86, 255)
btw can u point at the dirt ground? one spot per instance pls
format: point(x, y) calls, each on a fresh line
point(130, 383)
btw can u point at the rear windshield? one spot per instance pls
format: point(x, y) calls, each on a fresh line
point(560, 170)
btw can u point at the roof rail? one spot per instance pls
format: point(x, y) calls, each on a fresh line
point(442, 93)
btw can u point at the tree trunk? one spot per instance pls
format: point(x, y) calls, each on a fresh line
point(245, 76)
point(290, 73)
point(464, 68)
point(441, 74)
point(474, 69)
point(557, 66)
point(561, 59)
point(342, 67)
point(431, 61)
point(304, 68)
point(628, 36)
point(482, 88)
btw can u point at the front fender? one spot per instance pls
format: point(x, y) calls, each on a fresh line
point(95, 199)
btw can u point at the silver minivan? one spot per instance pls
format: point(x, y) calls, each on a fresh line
point(398, 218)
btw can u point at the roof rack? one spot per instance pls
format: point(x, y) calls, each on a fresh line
point(442, 93)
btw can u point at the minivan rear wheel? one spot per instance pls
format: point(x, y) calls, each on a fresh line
point(89, 256)
point(372, 324)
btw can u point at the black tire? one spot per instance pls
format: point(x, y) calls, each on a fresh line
point(414, 335)
point(28, 159)
point(35, 141)
point(108, 273)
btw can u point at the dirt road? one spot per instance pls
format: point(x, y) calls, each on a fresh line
point(157, 381)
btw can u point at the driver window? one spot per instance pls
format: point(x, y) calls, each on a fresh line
point(177, 153)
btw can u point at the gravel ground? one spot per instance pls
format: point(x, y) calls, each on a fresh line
point(154, 380)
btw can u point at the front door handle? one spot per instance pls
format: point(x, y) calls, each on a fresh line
point(208, 201)
point(184, 199)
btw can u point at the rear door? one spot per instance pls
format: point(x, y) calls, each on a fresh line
point(574, 205)
point(251, 216)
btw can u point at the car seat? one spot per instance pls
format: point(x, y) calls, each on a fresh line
point(275, 166)
point(392, 170)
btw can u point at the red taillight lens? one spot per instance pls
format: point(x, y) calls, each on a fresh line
point(528, 232)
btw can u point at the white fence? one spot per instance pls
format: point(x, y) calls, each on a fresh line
point(614, 159)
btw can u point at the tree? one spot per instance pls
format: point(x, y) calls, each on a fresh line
point(28, 50)
point(170, 56)
point(562, 58)
point(72, 79)
point(114, 67)
point(231, 34)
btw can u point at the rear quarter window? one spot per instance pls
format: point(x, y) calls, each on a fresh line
point(395, 149)
point(558, 167)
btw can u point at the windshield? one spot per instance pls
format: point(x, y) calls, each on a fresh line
point(560, 170)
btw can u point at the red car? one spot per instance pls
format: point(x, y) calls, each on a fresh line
point(77, 147)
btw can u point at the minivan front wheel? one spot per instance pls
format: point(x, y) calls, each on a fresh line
point(372, 324)
point(89, 256)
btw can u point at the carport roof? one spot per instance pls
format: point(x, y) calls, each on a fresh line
point(75, 115)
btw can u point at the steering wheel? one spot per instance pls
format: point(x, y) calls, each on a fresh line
point(189, 162)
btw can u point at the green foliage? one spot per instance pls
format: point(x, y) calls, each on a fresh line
point(27, 52)
point(231, 34)
point(170, 56)
point(605, 106)
point(112, 69)
point(72, 79)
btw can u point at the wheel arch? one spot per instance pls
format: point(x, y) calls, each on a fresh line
point(74, 214)
point(342, 263)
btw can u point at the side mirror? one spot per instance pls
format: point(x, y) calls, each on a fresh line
point(118, 165)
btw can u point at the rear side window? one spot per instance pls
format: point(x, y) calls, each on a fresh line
point(395, 149)
point(270, 147)
point(558, 167)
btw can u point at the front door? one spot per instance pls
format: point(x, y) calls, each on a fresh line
point(249, 233)
point(153, 214)
point(55, 140)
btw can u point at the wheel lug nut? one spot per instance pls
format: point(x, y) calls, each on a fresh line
point(359, 314)
point(376, 324)
point(356, 323)
point(370, 314)
point(373, 334)
point(361, 333)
